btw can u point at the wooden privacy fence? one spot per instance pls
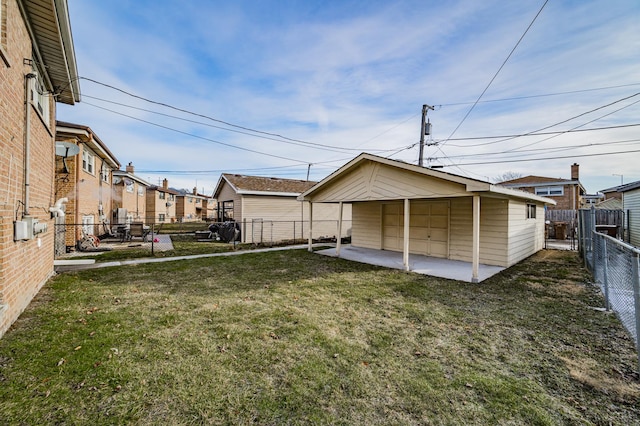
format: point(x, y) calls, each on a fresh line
point(610, 222)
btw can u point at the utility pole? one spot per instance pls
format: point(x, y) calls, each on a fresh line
point(423, 130)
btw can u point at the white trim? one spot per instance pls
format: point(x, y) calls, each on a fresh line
point(406, 233)
point(475, 256)
point(472, 186)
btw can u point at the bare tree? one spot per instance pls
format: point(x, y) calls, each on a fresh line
point(507, 176)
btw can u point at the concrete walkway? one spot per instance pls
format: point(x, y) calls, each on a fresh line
point(443, 268)
point(65, 265)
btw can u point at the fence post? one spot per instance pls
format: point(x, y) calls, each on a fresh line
point(593, 233)
point(636, 300)
point(605, 273)
point(153, 237)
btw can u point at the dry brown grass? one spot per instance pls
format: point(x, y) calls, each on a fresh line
point(296, 338)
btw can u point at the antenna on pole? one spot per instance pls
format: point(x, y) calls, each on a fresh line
point(425, 129)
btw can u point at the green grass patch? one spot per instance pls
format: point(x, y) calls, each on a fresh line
point(297, 338)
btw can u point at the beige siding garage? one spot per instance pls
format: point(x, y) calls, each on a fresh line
point(365, 217)
point(526, 235)
point(631, 201)
point(449, 216)
point(429, 223)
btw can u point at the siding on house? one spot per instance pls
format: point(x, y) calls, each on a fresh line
point(278, 215)
point(367, 228)
point(631, 200)
point(526, 236)
point(267, 209)
point(376, 187)
point(365, 217)
point(228, 194)
point(372, 181)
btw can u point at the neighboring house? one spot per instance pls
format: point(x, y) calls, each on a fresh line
point(567, 193)
point(85, 179)
point(129, 197)
point(161, 203)
point(191, 207)
point(631, 205)
point(405, 208)
point(267, 209)
point(37, 69)
point(609, 204)
point(612, 192)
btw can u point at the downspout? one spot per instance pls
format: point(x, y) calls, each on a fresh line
point(76, 219)
point(27, 141)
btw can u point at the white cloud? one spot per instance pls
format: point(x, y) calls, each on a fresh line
point(353, 75)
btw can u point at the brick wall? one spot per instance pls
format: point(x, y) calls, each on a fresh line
point(24, 265)
point(132, 201)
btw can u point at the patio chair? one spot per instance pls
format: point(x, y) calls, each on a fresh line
point(137, 229)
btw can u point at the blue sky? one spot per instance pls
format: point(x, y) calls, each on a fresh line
point(336, 78)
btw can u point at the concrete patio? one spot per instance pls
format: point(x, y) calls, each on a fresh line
point(442, 268)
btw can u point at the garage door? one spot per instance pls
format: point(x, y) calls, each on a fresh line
point(429, 232)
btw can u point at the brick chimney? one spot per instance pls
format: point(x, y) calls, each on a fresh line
point(195, 191)
point(130, 167)
point(165, 183)
point(575, 171)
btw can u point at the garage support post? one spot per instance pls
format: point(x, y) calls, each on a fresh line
point(405, 248)
point(310, 226)
point(339, 236)
point(476, 239)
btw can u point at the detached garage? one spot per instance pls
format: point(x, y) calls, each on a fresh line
point(400, 207)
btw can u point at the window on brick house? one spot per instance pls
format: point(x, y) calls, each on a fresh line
point(161, 195)
point(40, 96)
point(88, 161)
point(550, 190)
point(104, 173)
point(3, 32)
point(161, 217)
point(87, 224)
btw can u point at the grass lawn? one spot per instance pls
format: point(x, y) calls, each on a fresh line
point(297, 338)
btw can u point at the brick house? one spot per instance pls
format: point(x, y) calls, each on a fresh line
point(85, 179)
point(129, 197)
point(37, 69)
point(161, 203)
point(569, 194)
point(191, 207)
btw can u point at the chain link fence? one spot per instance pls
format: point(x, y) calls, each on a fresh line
point(79, 239)
point(614, 265)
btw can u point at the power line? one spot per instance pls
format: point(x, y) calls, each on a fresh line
point(574, 128)
point(292, 142)
point(556, 148)
point(539, 134)
point(543, 95)
point(542, 158)
point(535, 132)
point(196, 136)
point(191, 112)
point(497, 72)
